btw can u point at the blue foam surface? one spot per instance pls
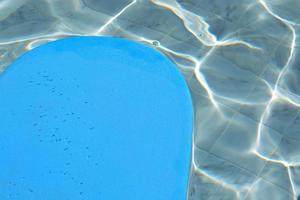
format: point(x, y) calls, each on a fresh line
point(94, 118)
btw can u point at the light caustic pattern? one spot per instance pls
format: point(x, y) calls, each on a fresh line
point(240, 59)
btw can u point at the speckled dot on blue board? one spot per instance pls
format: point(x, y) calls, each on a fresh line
point(94, 118)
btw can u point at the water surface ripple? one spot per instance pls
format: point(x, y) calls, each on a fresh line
point(240, 59)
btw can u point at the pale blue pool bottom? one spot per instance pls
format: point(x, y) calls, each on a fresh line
point(94, 118)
